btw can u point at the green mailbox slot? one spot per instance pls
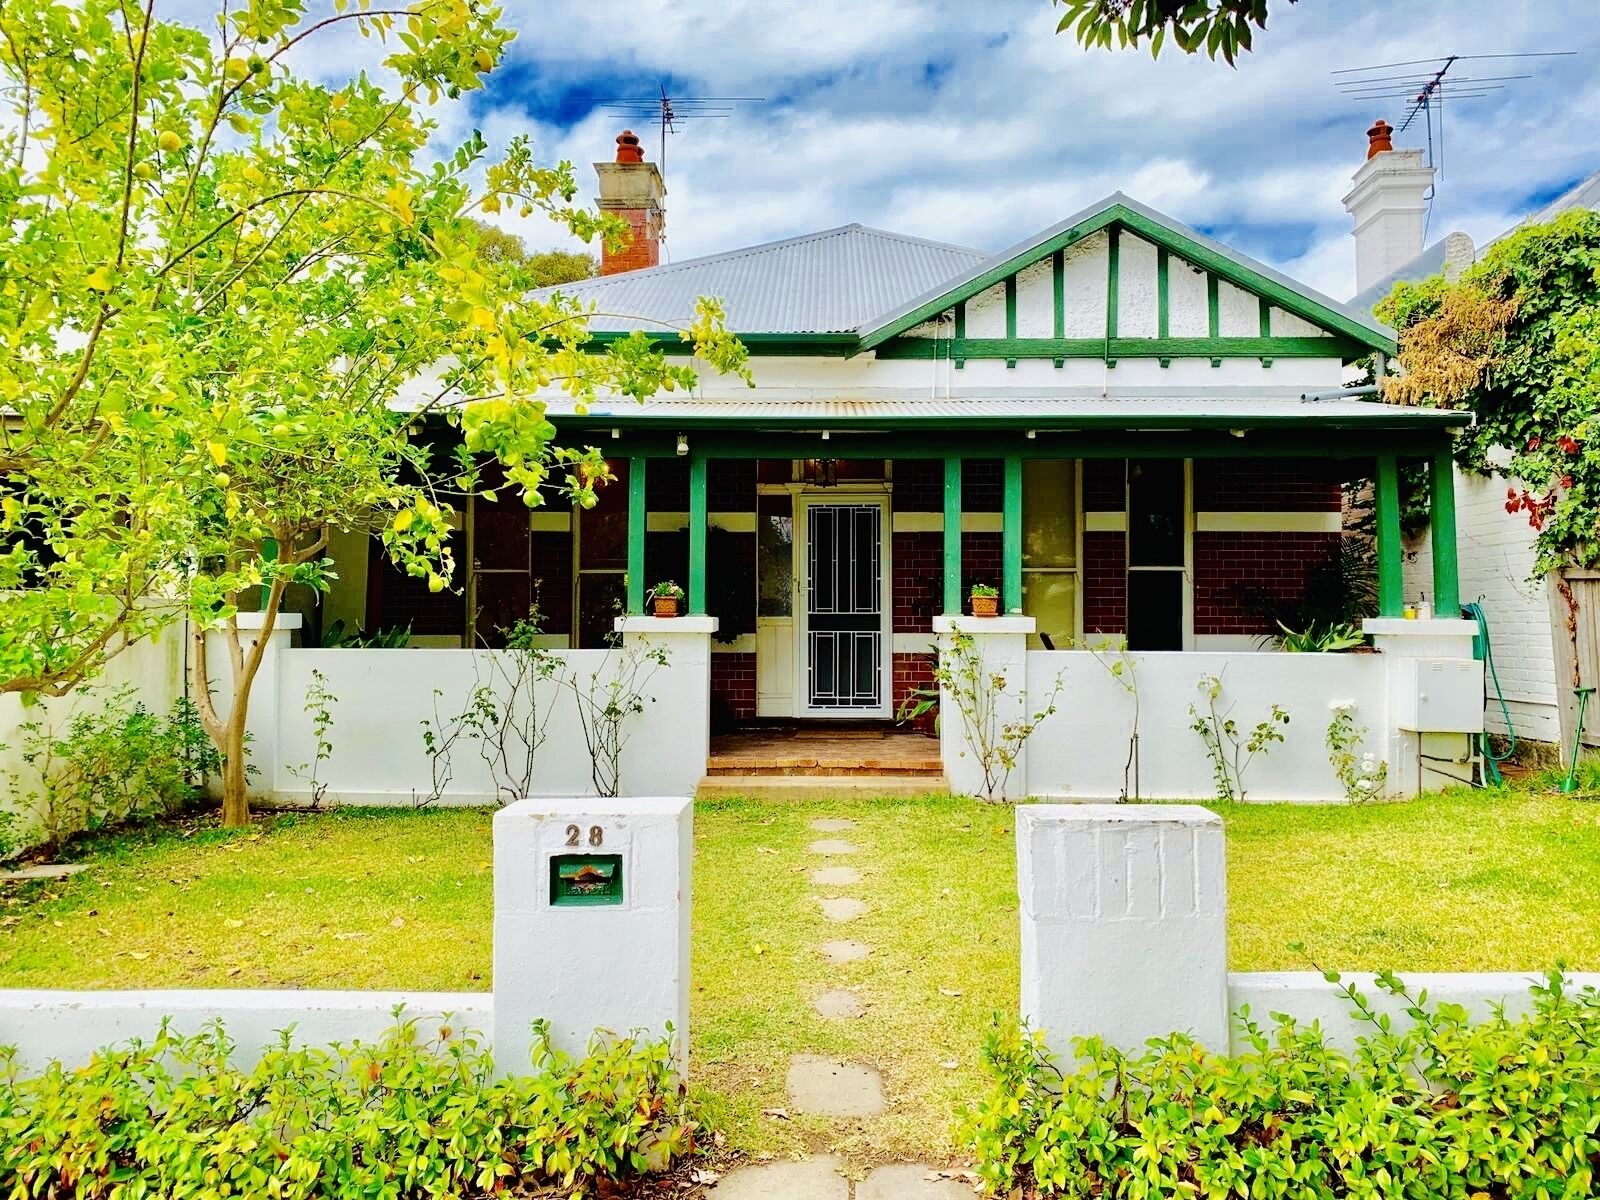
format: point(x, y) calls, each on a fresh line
point(586, 879)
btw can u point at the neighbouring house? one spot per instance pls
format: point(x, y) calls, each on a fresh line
point(1132, 431)
point(1533, 652)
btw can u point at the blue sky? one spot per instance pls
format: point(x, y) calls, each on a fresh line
point(974, 123)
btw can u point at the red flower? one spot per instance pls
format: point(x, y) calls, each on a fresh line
point(1568, 445)
point(1533, 442)
point(1566, 481)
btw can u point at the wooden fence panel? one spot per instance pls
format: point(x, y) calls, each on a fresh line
point(1575, 634)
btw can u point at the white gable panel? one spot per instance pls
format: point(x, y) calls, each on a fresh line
point(1084, 289)
point(1287, 324)
point(1036, 300)
point(1136, 290)
point(986, 313)
point(1239, 311)
point(1188, 312)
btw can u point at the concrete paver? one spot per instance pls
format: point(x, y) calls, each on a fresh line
point(809, 1179)
point(845, 950)
point(839, 1005)
point(834, 1089)
point(841, 908)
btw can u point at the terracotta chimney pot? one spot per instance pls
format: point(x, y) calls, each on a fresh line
point(1380, 138)
point(628, 148)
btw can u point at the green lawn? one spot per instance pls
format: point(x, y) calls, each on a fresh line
point(401, 899)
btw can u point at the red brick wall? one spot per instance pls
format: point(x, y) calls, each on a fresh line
point(1104, 488)
point(552, 578)
point(642, 250)
point(981, 555)
point(733, 689)
point(1233, 572)
point(1105, 583)
point(1264, 485)
point(918, 588)
point(913, 671)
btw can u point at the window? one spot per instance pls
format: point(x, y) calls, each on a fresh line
point(602, 561)
point(775, 555)
point(1050, 550)
point(1158, 539)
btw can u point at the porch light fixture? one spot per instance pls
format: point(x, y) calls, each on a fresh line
point(820, 472)
point(615, 434)
point(683, 445)
point(826, 435)
point(1032, 434)
point(1239, 433)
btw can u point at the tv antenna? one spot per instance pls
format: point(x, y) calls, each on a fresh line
point(668, 112)
point(1424, 84)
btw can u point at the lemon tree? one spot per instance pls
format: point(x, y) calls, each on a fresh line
point(232, 296)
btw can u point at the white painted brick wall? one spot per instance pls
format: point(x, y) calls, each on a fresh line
point(1494, 551)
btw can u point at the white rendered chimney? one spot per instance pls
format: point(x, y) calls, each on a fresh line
point(1389, 204)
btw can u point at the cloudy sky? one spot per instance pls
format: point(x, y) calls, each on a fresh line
point(973, 122)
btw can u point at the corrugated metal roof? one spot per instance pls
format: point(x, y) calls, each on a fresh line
point(1585, 195)
point(1131, 412)
point(827, 282)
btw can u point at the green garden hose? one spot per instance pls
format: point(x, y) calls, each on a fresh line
point(1570, 783)
point(1491, 761)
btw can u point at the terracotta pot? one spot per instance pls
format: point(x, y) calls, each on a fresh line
point(985, 606)
point(664, 606)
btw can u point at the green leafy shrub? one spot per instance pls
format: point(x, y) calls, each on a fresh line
point(1443, 1108)
point(409, 1117)
point(109, 764)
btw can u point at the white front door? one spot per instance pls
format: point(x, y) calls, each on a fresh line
point(844, 609)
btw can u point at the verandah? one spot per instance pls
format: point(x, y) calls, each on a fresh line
point(1011, 446)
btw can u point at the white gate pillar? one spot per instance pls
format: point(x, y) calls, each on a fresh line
point(1124, 923)
point(591, 922)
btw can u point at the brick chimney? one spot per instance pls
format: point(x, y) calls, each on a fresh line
point(1389, 204)
point(632, 189)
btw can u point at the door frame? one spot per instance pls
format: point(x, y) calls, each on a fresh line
point(803, 502)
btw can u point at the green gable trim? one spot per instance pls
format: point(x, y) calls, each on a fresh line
point(1115, 348)
point(1113, 218)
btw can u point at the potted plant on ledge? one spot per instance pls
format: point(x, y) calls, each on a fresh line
point(985, 600)
point(666, 599)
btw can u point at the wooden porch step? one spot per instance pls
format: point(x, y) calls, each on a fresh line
point(801, 766)
point(820, 787)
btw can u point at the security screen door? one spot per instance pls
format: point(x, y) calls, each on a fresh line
point(844, 606)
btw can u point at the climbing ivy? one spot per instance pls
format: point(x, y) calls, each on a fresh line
point(1516, 341)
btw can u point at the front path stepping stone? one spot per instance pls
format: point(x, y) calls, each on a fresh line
point(44, 871)
point(839, 1005)
point(832, 825)
point(841, 908)
point(835, 876)
point(833, 846)
point(831, 1088)
point(845, 951)
point(910, 1181)
point(810, 1179)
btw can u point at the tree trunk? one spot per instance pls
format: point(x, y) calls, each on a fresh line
point(235, 801)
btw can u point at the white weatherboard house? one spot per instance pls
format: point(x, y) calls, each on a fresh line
point(1130, 430)
point(1527, 620)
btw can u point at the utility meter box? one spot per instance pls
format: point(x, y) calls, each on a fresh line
point(591, 921)
point(1438, 695)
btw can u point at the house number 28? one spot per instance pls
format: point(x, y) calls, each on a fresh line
point(597, 835)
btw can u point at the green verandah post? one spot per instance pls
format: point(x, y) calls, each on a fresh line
point(952, 536)
point(636, 531)
point(1386, 504)
point(1442, 524)
point(1011, 538)
point(697, 533)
